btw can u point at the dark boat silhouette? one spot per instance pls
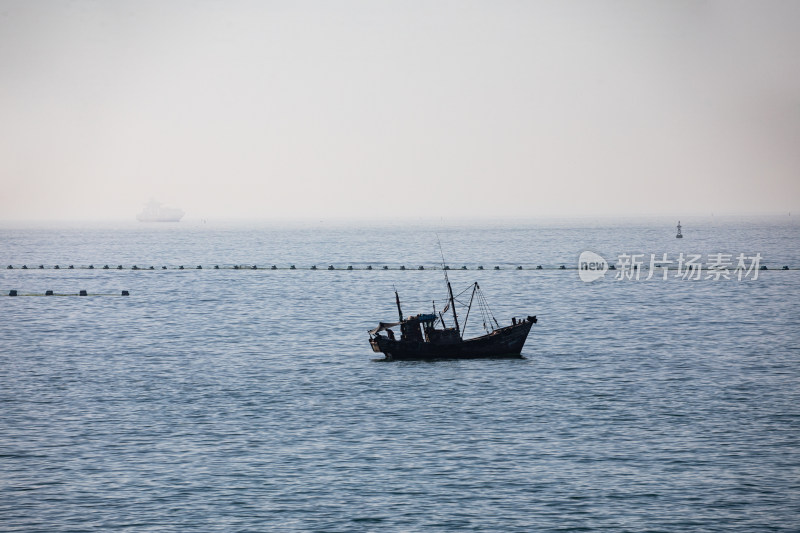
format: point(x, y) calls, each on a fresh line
point(421, 339)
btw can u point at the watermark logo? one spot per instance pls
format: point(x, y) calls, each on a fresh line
point(638, 267)
point(591, 266)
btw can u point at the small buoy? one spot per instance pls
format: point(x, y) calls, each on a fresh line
point(785, 267)
point(41, 267)
point(369, 267)
point(71, 267)
point(254, 267)
point(421, 267)
point(134, 267)
point(402, 267)
point(612, 267)
point(180, 267)
point(105, 267)
point(464, 267)
point(25, 267)
point(48, 293)
point(119, 267)
point(125, 293)
point(91, 267)
point(538, 267)
point(385, 267)
point(349, 267)
point(12, 292)
point(446, 267)
point(330, 267)
point(480, 267)
point(83, 293)
point(199, 267)
point(236, 267)
point(497, 267)
point(292, 267)
point(163, 268)
point(562, 267)
point(152, 267)
point(313, 267)
point(764, 267)
point(519, 267)
point(56, 267)
point(216, 267)
point(273, 267)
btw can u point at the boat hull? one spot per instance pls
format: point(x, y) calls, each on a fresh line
point(503, 343)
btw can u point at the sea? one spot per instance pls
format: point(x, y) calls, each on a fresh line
point(650, 399)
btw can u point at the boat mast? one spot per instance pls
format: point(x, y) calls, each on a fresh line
point(449, 288)
point(452, 304)
point(397, 299)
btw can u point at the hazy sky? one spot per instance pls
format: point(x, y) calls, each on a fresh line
point(401, 109)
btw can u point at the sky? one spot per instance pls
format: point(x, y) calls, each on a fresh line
point(399, 109)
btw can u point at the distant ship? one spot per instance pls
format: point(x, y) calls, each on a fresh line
point(156, 212)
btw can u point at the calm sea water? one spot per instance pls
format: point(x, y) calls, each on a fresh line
point(241, 400)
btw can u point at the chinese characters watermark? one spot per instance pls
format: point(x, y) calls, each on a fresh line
point(640, 267)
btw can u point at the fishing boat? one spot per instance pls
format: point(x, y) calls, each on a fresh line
point(425, 336)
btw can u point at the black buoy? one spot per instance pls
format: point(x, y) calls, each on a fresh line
point(497, 267)
point(349, 267)
point(12, 292)
point(538, 267)
point(562, 267)
point(519, 267)
point(313, 267)
point(273, 267)
point(125, 293)
point(292, 267)
point(369, 267)
point(56, 267)
point(48, 293)
point(83, 293)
